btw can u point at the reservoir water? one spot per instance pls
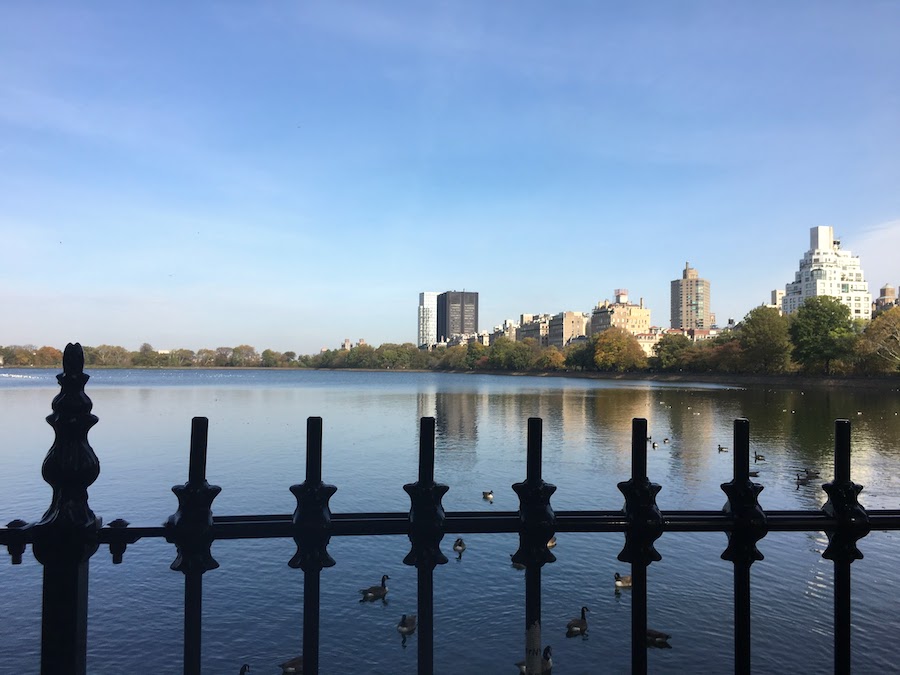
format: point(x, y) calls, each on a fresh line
point(252, 603)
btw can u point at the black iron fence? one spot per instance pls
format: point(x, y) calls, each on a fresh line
point(69, 533)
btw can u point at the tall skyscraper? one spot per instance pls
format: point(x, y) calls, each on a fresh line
point(457, 314)
point(427, 319)
point(826, 269)
point(690, 301)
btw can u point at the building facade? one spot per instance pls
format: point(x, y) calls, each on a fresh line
point(536, 327)
point(690, 306)
point(427, 319)
point(827, 269)
point(565, 326)
point(457, 314)
point(620, 314)
point(886, 299)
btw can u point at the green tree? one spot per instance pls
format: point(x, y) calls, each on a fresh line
point(145, 357)
point(205, 358)
point(580, 356)
point(822, 333)
point(881, 340)
point(454, 358)
point(763, 335)
point(671, 351)
point(362, 356)
point(619, 351)
point(112, 356)
point(244, 356)
point(508, 355)
point(269, 359)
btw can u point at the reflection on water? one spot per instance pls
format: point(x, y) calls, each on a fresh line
point(257, 437)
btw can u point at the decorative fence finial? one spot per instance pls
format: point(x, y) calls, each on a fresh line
point(645, 522)
point(426, 513)
point(68, 530)
point(843, 503)
point(190, 527)
point(750, 524)
point(312, 517)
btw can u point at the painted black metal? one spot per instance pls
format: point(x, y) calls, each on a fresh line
point(748, 527)
point(851, 523)
point(425, 528)
point(312, 529)
point(65, 538)
point(69, 533)
point(537, 524)
point(645, 526)
point(190, 528)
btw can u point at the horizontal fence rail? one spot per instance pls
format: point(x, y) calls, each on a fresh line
point(69, 533)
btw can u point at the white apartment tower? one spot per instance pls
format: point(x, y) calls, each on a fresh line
point(427, 319)
point(826, 269)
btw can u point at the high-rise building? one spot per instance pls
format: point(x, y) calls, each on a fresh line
point(457, 314)
point(690, 301)
point(427, 319)
point(826, 269)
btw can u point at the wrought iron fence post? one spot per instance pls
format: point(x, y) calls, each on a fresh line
point(190, 529)
point(537, 524)
point(748, 527)
point(312, 532)
point(66, 537)
point(851, 525)
point(426, 529)
point(645, 526)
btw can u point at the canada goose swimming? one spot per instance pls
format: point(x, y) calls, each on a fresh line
point(406, 626)
point(489, 495)
point(758, 457)
point(665, 440)
point(722, 448)
point(546, 662)
point(802, 480)
point(811, 473)
point(623, 581)
point(293, 666)
point(552, 542)
point(656, 638)
point(754, 474)
point(459, 546)
point(245, 669)
point(375, 592)
point(654, 445)
point(518, 566)
point(577, 627)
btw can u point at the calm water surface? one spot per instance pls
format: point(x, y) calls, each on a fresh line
point(252, 610)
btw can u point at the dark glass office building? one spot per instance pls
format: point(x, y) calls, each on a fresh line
point(457, 312)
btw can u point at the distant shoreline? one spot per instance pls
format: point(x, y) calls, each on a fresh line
point(875, 382)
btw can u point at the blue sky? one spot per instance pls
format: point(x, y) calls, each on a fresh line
point(288, 174)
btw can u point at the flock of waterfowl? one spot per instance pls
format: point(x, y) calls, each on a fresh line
point(802, 478)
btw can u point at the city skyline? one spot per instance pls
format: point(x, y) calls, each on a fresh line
point(288, 176)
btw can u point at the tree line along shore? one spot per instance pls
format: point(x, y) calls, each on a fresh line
point(819, 340)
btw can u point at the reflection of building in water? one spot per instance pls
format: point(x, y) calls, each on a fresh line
point(613, 410)
point(692, 417)
point(455, 414)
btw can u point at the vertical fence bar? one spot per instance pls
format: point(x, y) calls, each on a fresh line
point(537, 524)
point(748, 526)
point(426, 529)
point(312, 575)
point(190, 529)
point(850, 523)
point(425, 573)
point(66, 537)
point(312, 532)
point(638, 567)
point(645, 526)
